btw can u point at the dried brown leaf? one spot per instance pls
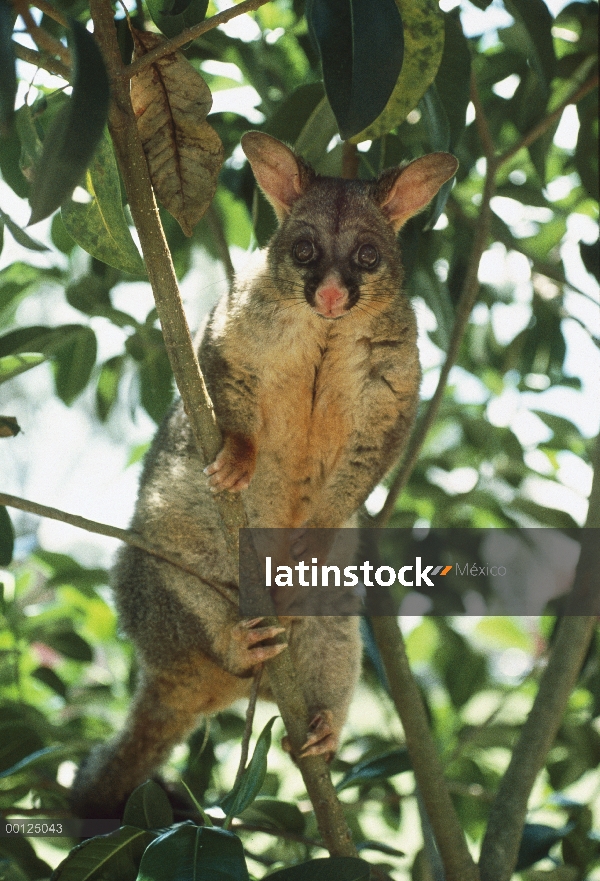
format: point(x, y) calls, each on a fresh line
point(184, 153)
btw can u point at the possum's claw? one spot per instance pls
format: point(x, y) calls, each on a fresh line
point(322, 739)
point(234, 466)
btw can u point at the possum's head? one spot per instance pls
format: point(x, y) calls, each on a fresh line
point(337, 238)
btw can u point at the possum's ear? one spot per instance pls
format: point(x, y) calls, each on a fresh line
point(280, 174)
point(403, 192)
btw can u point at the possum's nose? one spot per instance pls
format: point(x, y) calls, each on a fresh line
point(331, 297)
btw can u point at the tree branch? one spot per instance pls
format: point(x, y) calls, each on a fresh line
point(41, 59)
point(127, 536)
point(49, 10)
point(197, 404)
point(427, 766)
point(500, 846)
point(40, 37)
point(544, 124)
point(193, 33)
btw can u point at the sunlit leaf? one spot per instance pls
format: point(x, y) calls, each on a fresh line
point(423, 46)
point(99, 226)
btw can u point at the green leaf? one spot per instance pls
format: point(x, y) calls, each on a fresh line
point(251, 781)
point(7, 537)
point(75, 131)
point(8, 75)
point(361, 45)
point(535, 16)
point(17, 741)
point(49, 678)
point(379, 768)
point(423, 47)
point(107, 388)
point(173, 16)
point(270, 812)
point(69, 644)
point(39, 757)
point(74, 363)
point(453, 79)
point(194, 853)
point(536, 843)
point(10, 871)
point(19, 235)
point(331, 869)
point(113, 857)
point(99, 226)
point(20, 851)
point(156, 379)
point(148, 807)
point(13, 365)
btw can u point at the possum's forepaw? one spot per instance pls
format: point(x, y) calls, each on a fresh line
point(234, 466)
point(322, 739)
point(248, 636)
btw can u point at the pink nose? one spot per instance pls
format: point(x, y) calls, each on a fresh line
point(330, 299)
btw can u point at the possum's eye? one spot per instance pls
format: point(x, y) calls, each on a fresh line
point(304, 251)
point(367, 257)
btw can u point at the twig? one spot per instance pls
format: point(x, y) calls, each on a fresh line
point(50, 11)
point(41, 59)
point(248, 726)
point(427, 766)
point(349, 161)
point(548, 121)
point(125, 535)
point(193, 33)
point(40, 37)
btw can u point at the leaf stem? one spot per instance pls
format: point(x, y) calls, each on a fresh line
point(193, 33)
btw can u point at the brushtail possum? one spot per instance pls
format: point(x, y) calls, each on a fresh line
point(312, 366)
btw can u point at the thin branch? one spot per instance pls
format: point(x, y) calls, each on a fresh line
point(427, 766)
point(500, 846)
point(42, 39)
point(193, 33)
point(125, 535)
point(350, 161)
point(248, 726)
point(51, 12)
point(41, 59)
point(548, 121)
